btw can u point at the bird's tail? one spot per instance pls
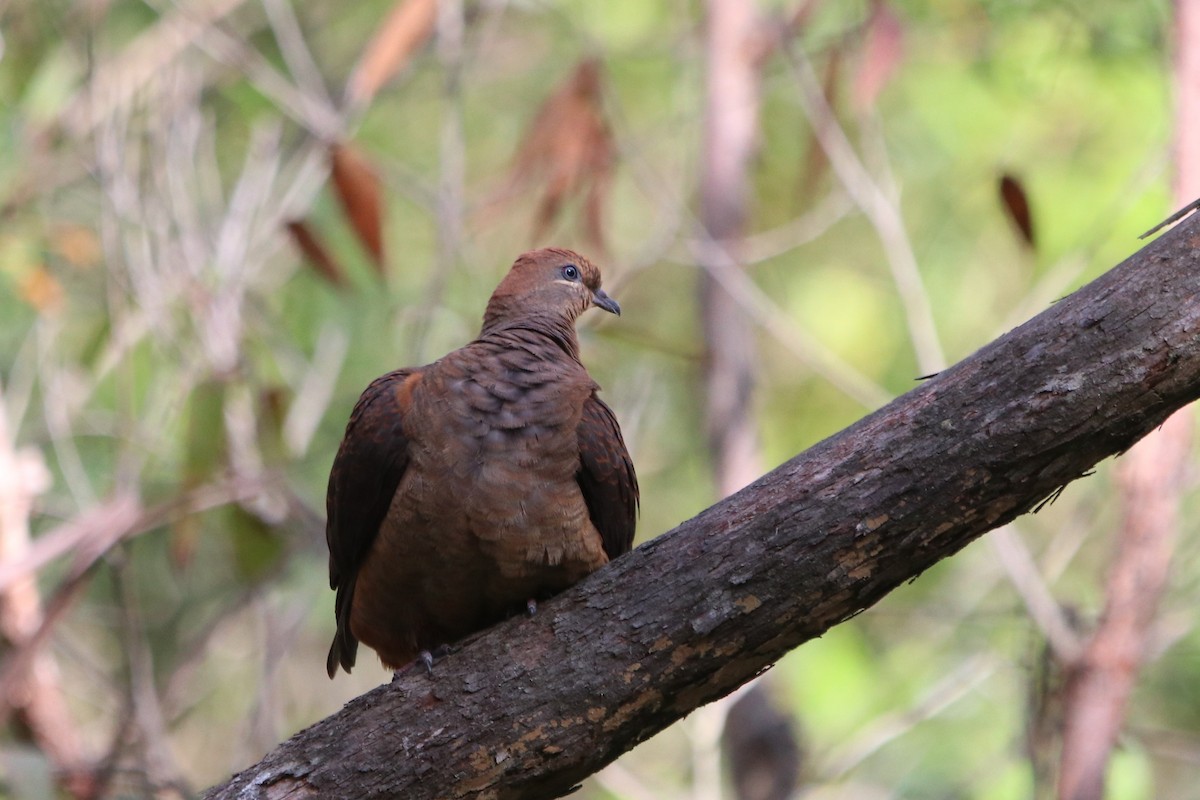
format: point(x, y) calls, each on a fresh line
point(344, 649)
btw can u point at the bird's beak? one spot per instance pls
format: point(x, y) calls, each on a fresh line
point(602, 300)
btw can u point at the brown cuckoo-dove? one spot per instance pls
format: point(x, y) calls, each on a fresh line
point(492, 477)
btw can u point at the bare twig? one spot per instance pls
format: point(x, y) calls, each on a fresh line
point(315, 390)
point(86, 536)
point(797, 232)
point(755, 303)
point(95, 532)
point(1026, 578)
point(937, 698)
point(1171, 220)
point(117, 82)
point(295, 49)
point(796, 340)
point(882, 210)
point(310, 110)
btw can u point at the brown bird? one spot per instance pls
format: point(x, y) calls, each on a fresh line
point(492, 478)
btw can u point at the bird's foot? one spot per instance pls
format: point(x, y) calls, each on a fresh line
point(425, 659)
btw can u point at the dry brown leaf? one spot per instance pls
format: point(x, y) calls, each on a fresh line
point(315, 253)
point(569, 149)
point(40, 289)
point(358, 189)
point(407, 28)
point(883, 50)
point(1016, 203)
point(77, 245)
point(184, 540)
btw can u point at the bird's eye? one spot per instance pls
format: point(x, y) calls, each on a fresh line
point(570, 272)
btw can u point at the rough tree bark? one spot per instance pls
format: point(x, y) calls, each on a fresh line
point(530, 707)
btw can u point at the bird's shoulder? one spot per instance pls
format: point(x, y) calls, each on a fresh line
point(503, 369)
point(369, 465)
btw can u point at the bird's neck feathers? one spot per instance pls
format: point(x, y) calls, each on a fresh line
point(499, 319)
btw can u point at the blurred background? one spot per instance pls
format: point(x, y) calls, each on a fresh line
point(219, 219)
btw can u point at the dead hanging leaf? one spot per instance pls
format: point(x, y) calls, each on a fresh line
point(358, 189)
point(273, 403)
point(882, 52)
point(40, 289)
point(77, 245)
point(1016, 205)
point(184, 540)
point(569, 150)
point(406, 29)
point(309, 244)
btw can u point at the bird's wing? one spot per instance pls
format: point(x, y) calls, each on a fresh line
point(606, 477)
point(366, 472)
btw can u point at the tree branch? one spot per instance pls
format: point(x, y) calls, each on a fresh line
point(532, 706)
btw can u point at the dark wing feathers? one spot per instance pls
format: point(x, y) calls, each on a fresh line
point(606, 477)
point(368, 468)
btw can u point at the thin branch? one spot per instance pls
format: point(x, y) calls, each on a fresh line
point(58, 404)
point(312, 111)
point(118, 81)
point(315, 390)
point(755, 303)
point(1026, 578)
point(811, 352)
point(295, 50)
point(797, 232)
point(97, 531)
point(937, 698)
point(882, 211)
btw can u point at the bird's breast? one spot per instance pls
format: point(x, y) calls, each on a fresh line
point(494, 463)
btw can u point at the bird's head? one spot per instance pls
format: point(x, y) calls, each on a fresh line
point(550, 283)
